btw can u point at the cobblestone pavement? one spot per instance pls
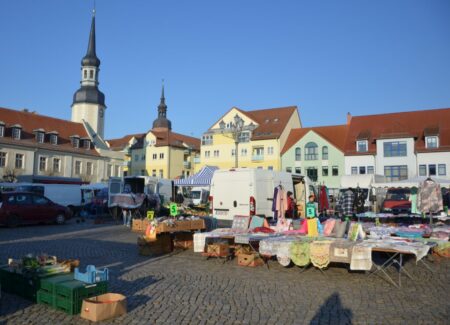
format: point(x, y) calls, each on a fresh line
point(184, 288)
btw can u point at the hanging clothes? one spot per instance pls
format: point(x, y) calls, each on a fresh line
point(323, 199)
point(413, 200)
point(301, 198)
point(346, 202)
point(274, 203)
point(429, 198)
point(281, 202)
point(359, 201)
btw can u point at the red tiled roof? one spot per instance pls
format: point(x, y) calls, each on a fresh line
point(271, 121)
point(120, 143)
point(31, 121)
point(176, 139)
point(335, 134)
point(400, 125)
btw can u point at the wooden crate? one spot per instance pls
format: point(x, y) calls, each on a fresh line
point(218, 250)
point(136, 225)
point(162, 245)
point(250, 260)
point(197, 224)
point(183, 244)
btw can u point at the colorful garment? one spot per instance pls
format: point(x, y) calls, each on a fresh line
point(429, 199)
point(312, 227)
point(300, 253)
point(320, 253)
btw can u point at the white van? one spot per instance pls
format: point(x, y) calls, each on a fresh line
point(142, 185)
point(245, 191)
point(68, 195)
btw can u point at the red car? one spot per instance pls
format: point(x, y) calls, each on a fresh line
point(397, 201)
point(29, 208)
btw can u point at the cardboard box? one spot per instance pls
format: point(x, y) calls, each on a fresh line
point(103, 307)
point(219, 250)
point(183, 244)
point(250, 260)
point(197, 224)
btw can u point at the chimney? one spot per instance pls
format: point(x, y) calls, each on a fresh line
point(349, 118)
point(25, 110)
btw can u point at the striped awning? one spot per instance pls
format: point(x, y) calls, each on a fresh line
point(202, 178)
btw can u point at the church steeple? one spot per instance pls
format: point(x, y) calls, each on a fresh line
point(91, 59)
point(88, 104)
point(162, 122)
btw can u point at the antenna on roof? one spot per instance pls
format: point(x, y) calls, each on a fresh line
point(93, 10)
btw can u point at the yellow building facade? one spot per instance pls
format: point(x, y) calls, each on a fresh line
point(260, 136)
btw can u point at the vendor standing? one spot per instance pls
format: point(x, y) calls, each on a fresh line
point(312, 217)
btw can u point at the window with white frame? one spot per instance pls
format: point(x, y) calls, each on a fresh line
point(335, 171)
point(354, 170)
point(432, 142)
point(155, 156)
point(442, 170)
point(311, 151)
point(109, 170)
point(143, 157)
point(244, 152)
point(394, 149)
point(2, 131)
point(42, 163)
point(370, 170)
point(324, 153)
point(396, 173)
point(89, 168)
point(136, 157)
point(19, 161)
point(16, 133)
point(422, 170)
point(432, 170)
point(54, 139)
point(40, 136)
point(244, 137)
point(207, 154)
point(207, 140)
point(77, 167)
point(362, 170)
point(56, 165)
point(362, 146)
point(216, 153)
point(298, 170)
point(161, 173)
point(117, 170)
point(161, 155)
point(298, 154)
point(75, 142)
point(233, 152)
point(289, 169)
point(270, 151)
point(324, 170)
point(87, 144)
point(154, 173)
point(2, 159)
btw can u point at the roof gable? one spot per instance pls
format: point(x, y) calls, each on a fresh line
point(334, 134)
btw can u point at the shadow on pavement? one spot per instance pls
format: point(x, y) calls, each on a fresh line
point(332, 312)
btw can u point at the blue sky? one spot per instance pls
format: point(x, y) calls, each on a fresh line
point(326, 57)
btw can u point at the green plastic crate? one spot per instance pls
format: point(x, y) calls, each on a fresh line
point(46, 298)
point(49, 284)
point(70, 294)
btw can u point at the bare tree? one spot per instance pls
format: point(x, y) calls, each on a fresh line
point(10, 175)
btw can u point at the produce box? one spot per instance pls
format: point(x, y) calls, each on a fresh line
point(136, 225)
point(197, 224)
point(242, 249)
point(250, 260)
point(218, 250)
point(104, 307)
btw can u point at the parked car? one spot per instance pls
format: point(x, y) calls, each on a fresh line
point(29, 208)
point(397, 201)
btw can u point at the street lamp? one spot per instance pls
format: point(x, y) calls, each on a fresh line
point(235, 129)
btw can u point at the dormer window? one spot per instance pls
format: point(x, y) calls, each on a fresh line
point(2, 129)
point(54, 139)
point(91, 74)
point(362, 146)
point(75, 141)
point(40, 136)
point(431, 142)
point(87, 144)
point(16, 132)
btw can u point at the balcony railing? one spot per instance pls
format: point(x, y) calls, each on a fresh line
point(257, 157)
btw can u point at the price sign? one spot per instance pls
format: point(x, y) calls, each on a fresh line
point(173, 209)
point(310, 210)
point(150, 215)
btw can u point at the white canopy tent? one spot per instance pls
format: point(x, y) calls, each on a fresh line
point(412, 182)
